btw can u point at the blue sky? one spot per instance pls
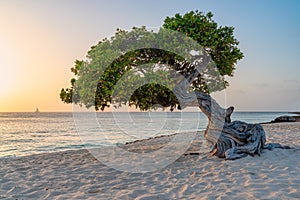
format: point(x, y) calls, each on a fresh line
point(41, 39)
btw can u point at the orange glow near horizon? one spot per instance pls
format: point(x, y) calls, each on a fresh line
point(34, 65)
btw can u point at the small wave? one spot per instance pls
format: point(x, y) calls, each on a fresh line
point(79, 146)
point(41, 132)
point(18, 141)
point(46, 147)
point(14, 132)
point(7, 150)
point(7, 157)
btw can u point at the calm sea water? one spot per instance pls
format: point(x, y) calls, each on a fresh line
point(30, 133)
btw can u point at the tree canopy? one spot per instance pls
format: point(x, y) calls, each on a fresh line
point(116, 69)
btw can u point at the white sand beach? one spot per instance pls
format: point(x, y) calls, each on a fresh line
point(78, 175)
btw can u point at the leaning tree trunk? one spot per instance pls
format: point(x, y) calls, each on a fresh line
point(229, 140)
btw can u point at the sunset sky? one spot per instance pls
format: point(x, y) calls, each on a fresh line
point(39, 41)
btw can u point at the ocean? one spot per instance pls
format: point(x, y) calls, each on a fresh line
point(30, 133)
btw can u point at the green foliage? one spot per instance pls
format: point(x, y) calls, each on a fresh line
point(136, 67)
point(219, 42)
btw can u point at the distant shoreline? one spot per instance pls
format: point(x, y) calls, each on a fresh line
point(297, 113)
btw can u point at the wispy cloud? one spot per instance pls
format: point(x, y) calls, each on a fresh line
point(262, 85)
point(292, 81)
point(240, 92)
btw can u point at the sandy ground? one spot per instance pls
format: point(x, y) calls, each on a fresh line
point(78, 175)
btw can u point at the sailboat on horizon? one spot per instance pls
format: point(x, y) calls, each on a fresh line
point(37, 110)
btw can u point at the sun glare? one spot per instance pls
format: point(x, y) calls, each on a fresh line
point(6, 73)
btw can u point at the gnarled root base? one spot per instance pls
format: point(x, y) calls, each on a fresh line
point(239, 139)
point(229, 140)
point(236, 140)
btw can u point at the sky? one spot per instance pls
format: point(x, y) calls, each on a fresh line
point(40, 40)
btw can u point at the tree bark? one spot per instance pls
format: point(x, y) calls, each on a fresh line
point(229, 140)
